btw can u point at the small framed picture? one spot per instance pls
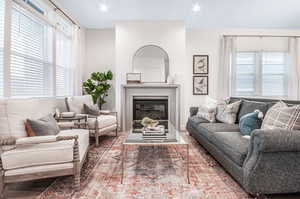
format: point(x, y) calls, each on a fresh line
point(200, 64)
point(200, 85)
point(133, 78)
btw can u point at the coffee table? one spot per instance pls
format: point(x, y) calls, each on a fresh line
point(135, 138)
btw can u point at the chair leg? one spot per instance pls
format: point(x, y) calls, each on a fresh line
point(2, 189)
point(77, 181)
point(97, 140)
point(117, 132)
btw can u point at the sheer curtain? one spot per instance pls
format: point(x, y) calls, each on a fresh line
point(293, 69)
point(227, 63)
point(77, 60)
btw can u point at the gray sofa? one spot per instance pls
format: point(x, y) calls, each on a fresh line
point(267, 163)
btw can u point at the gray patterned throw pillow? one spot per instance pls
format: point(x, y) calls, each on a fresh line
point(227, 113)
point(282, 116)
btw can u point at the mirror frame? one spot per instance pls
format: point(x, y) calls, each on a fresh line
point(167, 65)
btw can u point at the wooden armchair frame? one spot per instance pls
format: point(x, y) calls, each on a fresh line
point(98, 131)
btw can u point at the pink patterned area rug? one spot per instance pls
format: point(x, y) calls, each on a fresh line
point(150, 173)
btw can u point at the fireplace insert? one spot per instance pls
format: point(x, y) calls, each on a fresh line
point(154, 108)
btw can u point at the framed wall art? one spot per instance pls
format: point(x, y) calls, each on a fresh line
point(200, 85)
point(200, 64)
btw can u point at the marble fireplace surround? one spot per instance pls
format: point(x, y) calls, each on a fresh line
point(148, 90)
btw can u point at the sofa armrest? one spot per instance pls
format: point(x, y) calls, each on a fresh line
point(7, 140)
point(271, 165)
point(193, 111)
point(276, 140)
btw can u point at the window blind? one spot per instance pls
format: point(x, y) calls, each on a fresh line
point(31, 55)
point(261, 74)
point(2, 12)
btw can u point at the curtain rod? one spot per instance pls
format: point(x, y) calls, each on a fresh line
point(58, 8)
point(260, 36)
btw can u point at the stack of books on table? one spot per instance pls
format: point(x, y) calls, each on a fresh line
point(154, 134)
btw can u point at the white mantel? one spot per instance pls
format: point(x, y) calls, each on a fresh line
point(129, 91)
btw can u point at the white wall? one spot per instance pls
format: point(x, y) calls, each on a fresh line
point(100, 57)
point(104, 49)
point(132, 35)
point(209, 42)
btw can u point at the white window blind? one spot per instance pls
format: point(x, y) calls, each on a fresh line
point(261, 74)
point(31, 54)
point(64, 72)
point(2, 12)
point(245, 74)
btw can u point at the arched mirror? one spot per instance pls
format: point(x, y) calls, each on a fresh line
point(152, 62)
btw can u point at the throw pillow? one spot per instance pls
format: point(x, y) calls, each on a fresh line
point(208, 113)
point(91, 110)
point(250, 121)
point(43, 126)
point(282, 116)
point(227, 113)
point(28, 129)
point(250, 106)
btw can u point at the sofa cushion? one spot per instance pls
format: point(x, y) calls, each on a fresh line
point(233, 144)
point(208, 129)
point(103, 121)
point(75, 103)
point(46, 153)
point(250, 106)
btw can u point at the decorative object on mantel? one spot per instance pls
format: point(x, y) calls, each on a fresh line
point(98, 86)
point(200, 85)
point(149, 123)
point(200, 64)
point(134, 78)
point(170, 79)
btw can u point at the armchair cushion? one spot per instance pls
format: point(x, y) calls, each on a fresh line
point(36, 140)
point(31, 154)
point(103, 121)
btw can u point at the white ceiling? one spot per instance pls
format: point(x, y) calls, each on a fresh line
point(213, 14)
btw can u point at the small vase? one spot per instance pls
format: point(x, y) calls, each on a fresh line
point(170, 79)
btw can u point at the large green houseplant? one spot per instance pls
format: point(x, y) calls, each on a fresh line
point(97, 86)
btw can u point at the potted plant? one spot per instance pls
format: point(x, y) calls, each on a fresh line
point(97, 86)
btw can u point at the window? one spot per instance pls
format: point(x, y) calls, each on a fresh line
point(31, 55)
point(261, 74)
point(2, 6)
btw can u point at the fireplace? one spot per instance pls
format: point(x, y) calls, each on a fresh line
point(153, 107)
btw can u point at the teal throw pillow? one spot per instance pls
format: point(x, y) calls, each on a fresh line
point(250, 122)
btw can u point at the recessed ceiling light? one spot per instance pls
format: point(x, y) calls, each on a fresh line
point(103, 7)
point(196, 7)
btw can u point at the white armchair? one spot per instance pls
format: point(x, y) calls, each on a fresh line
point(97, 125)
point(25, 158)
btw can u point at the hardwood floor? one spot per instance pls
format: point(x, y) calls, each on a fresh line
point(26, 190)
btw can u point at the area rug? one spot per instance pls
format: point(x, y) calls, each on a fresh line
point(150, 173)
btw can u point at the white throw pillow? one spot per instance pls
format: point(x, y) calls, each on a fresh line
point(227, 113)
point(207, 112)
